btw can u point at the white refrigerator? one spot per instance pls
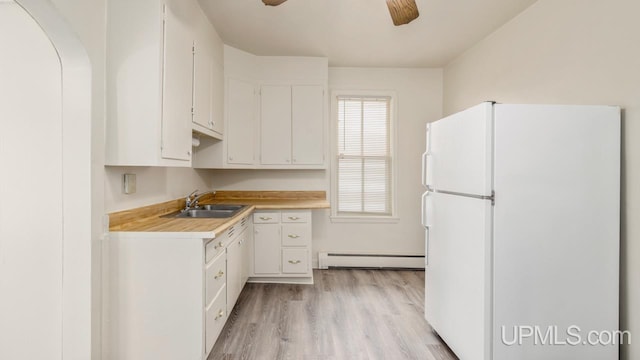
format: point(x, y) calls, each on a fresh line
point(522, 219)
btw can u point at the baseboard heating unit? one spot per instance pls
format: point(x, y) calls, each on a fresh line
point(328, 260)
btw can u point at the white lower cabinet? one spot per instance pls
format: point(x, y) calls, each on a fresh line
point(215, 277)
point(168, 295)
point(215, 317)
point(215, 298)
point(282, 245)
point(295, 261)
point(237, 260)
point(172, 292)
point(266, 247)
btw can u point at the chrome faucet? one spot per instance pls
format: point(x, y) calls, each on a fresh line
point(188, 202)
point(193, 203)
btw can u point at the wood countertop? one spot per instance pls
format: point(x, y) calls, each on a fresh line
point(149, 218)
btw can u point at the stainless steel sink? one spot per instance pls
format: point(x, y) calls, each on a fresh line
point(220, 207)
point(217, 211)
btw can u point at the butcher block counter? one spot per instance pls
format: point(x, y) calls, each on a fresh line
point(150, 218)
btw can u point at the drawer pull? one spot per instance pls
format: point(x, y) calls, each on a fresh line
point(294, 218)
point(265, 218)
point(293, 236)
point(294, 262)
point(220, 274)
point(220, 244)
point(220, 314)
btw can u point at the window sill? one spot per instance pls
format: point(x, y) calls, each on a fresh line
point(365, 219)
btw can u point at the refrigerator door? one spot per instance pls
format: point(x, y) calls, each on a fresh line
point(556, 230)
point(458, 271)
point(458, 157)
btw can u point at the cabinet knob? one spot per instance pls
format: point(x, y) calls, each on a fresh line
point(219, 275)
point(220, 244)
point(294, 218)
point(189, 153)
point(294, 262)
point(220, 314)
point(265, 218)
point(293, 236)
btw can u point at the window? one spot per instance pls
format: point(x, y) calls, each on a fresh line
point(363, 162)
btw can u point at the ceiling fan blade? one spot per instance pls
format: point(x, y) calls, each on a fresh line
point(402, 11)
point(273, 2)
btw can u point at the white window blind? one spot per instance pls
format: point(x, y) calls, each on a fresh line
point(364, 156)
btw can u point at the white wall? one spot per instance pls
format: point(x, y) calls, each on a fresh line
point(419, 93)
point(154, 185)
point(570, 51)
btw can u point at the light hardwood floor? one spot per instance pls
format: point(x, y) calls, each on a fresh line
point(346, 314)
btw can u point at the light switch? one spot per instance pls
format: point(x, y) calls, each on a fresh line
point(129, 183)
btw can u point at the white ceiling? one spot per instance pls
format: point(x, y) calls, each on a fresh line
point(359, 32)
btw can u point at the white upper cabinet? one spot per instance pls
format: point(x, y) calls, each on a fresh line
point(291, 125)
point(275, 125)
point(154, 93)
point(307, 125)
point(286, 118)
point(207, 81)
point(202, 87)
point(176, 88)
point(241, 122)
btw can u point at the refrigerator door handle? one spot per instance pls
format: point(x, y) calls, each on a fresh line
point(425, 159)
point(423, 217)
point(427, 171)
point(424, 168)
point(428, 139)
point(426, 226)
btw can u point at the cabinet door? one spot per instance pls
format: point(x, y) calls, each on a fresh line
point(275, 124)
point(234, 269)
point(245, 247)
point(176, 89)
point(307, 125)
point(202, 86)
point(266, 247)
point(240, 122)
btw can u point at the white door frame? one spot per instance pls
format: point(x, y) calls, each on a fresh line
point(76, 172)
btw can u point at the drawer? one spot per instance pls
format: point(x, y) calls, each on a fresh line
point(295, 261)
point(215, 317)
point(215, 276)
point(237, 228)
point(216, 246)
point(242, 224)
point(296, 234)
point(296, 216)
point(266, 217)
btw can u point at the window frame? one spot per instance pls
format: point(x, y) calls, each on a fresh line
point(362, 218)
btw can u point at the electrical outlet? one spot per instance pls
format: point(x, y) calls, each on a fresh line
point(129, 183)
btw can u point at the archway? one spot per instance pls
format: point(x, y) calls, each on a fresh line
point(45, 212)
